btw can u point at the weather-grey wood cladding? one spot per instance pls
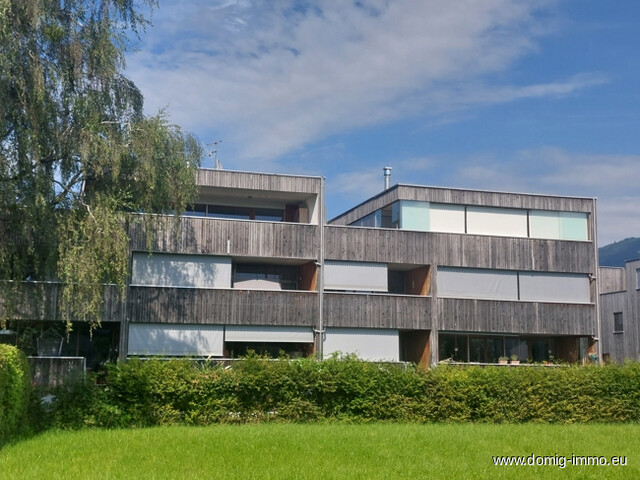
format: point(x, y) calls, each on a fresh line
point(465, 197)
point(459, 250)
point(222, 306)
point(43, 301)
point(626, 344)
point(611, 279)
point(617, 345)
point(212, 236)
point(360, 310)
point(467, 315)
point(258, 181)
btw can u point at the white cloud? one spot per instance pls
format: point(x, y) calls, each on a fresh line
point(612, 179)
point(271, 77)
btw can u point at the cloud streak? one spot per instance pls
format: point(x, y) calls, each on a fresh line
point(272, 77)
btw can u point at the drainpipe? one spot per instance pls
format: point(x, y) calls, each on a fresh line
point(594, 229)
point(320, 330)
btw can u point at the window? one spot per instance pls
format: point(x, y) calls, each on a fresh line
point(502, 222)
point(192, 271)
point(251, 276)
point(618, 326)
point(355, 276)
point(554, 287)
point(477, 283)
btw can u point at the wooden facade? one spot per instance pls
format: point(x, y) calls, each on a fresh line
point(222, 306)
point(531, 318)
point(458, 250)
point(359, 310)
point(621, 295)
point(243, 238)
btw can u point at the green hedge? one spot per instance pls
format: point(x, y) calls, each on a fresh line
point(158, 392)
point(15, 393)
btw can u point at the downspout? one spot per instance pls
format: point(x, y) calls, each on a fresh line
point(320, 330)
point(594, 229)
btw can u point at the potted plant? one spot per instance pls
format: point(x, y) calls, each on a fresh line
point(515, 360)
point(503, 360)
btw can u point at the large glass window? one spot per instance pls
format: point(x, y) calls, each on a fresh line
point(414, 215)
point(479, 220)
point(558, 225)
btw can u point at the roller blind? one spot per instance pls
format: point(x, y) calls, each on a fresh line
point(477, 283)
point(502, 222)
point(446, 218)
point(195, 271)
point(555, 287)
point(237, 333)
point(363, 276)
point(367, 344)
point(175, 340)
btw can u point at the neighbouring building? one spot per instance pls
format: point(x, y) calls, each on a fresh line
point(418, 274)
point(620, 311)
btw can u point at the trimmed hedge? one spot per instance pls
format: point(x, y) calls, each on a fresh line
point(158, 392)
point(15, 393)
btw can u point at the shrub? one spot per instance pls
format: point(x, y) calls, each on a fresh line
point(15, 393)
point(257, 389)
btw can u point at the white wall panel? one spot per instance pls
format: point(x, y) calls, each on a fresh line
point(175, 340)
point(358, 276)
point(502, 222)
point(195, 271)
point(446, 218)
point(555, 287)
point(258, 333)
point(367, 344)
point(477, 283)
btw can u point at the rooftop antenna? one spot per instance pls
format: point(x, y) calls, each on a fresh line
point(214, 154)
point(387, 177)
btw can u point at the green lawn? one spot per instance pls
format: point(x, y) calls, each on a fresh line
point(320, 451)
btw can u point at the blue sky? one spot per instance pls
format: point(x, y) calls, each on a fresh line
point(539, 96)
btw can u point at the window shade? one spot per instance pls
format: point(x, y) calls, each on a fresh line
point(368, 277)
point(555, 287)
point(241, 333)
point(367, 344)
point(477, 283)
point(175, 340)
point(503, 222)
point(196, 271)
point(446, 218)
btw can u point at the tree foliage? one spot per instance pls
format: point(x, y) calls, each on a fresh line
point(77, 155)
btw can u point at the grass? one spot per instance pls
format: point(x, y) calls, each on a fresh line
point(324, 450)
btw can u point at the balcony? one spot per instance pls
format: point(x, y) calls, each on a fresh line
point(364, 310)
point(222, 306)
point(213, 236)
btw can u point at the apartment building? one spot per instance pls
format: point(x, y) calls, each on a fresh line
point(415, 273)
point(620, 311)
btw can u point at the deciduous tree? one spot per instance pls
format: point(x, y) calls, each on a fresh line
point(78, 157)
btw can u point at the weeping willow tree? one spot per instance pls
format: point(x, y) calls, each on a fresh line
point(78, 157)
